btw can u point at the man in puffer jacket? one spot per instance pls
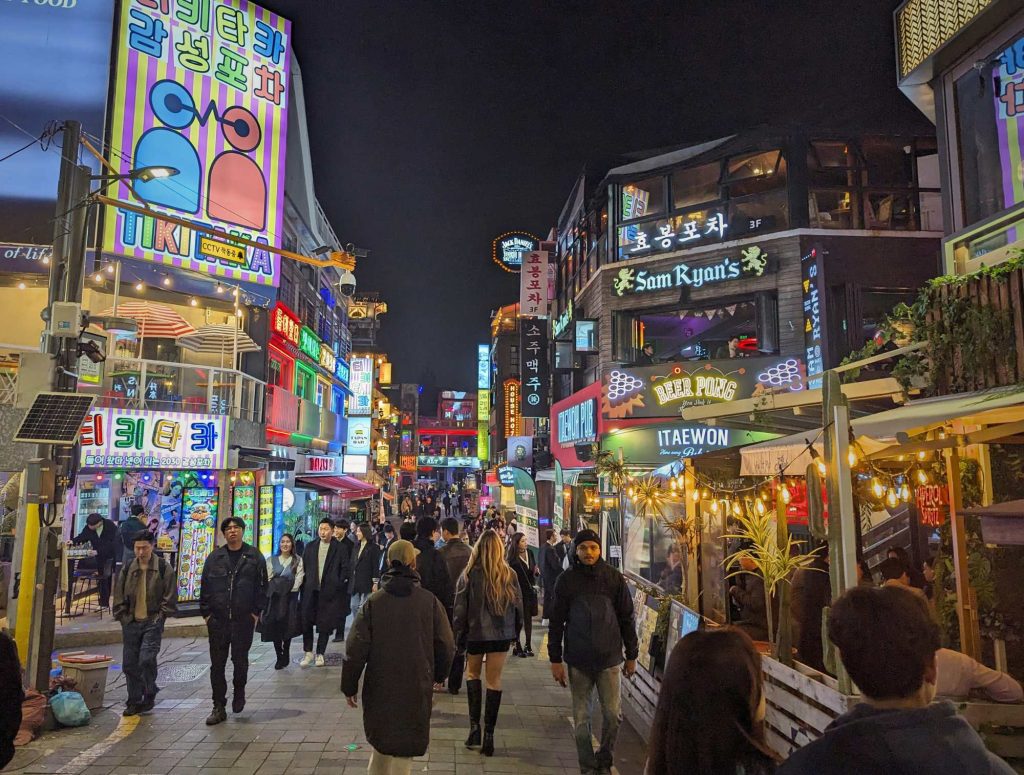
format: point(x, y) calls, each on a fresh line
point(593, 614)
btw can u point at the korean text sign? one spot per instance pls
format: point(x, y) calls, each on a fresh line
point(533, 285)
point(131, 438)
point(360, 403)
point(533, 334)
point(201, 86)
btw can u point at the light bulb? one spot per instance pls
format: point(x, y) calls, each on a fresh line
point(822, 470)
point(167, 280)
point(220, 288)
point(696, 496)
point(905, 493)
point(98, 278)
point(193, 301)
point(851, 457)
point(922, 455)
point(629, 492)
point(922, 476)
point(238, 313)
point(672, 484)
point(760, 506)
point(736, 508)
point(786, 495)
point(706, 495)
point(714, 507)
point(139, 286)
point(877, 489)
point(110, 268)
point(22, 286)
point(891, 498)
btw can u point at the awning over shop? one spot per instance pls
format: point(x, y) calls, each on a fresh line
point(879, 433)
point(346, 486)
point(570, 476)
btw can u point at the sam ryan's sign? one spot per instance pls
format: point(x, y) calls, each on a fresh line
point(753, 262)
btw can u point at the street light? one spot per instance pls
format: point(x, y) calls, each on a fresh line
point(144, 174)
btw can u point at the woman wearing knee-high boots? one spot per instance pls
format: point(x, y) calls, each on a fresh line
point(520, 559)
point(280, 620)
point(488, 611)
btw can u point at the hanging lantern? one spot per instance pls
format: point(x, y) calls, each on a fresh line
point(877, 489)
point(760, 506)
point(922, 476)
point(891, 499)
point(905, 492)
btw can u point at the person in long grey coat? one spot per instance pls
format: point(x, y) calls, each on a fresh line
point(408, 649)
point(324, 592)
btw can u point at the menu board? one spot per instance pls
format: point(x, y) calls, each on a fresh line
point(647, 623)
point(93, 497)
point(243, 506)
point(198, 533)
point(270, 509)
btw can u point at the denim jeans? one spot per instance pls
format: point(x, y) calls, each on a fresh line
point(141, 647)
point(582, 685)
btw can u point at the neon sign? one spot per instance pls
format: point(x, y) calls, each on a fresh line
point(812, 316)
point(719, 388)
point(753, 263)
point(327, 357)
point(341, 370)
point(578, 423)
point(507, 249)
point(559, 324)
point(130, 438)
point(285, 323)
point(483, 366)
point(513, 420)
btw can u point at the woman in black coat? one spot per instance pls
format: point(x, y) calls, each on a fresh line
point(281, 621)
point(366, 568)
point(525, 566)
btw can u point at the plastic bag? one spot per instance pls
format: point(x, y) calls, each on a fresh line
point(69, 709)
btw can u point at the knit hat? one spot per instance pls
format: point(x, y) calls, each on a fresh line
point(586, 535)
point(403, 552)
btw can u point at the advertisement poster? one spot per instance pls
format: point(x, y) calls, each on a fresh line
point(201, 87)
point(243, 506)
point(134, 438)
point(559, 495)
point(526, 501)
point(271, 519)
point(520, 451)
point(198, 533)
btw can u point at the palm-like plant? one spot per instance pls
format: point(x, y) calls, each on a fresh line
point(612, 465)
point(775, 562)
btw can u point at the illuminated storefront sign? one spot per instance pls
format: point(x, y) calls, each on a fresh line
point(507, 249)
point(483, 405)
point(383, 454)
point(321, 464)
point(663, 390)
point(443, 461)
point(657, 444)
point(202, 87)
point(684, 231)
point(533, 342)
point(810, 270)
point(285, 323)
point(483, 366)
point(341, 370)
point(360, 403)
point(407, 462)
point(752, 263)
point(129, 438)
point(513, 420)
point(533, 286)
point(358, 442)
point(578, 423)
point(309, 343)
point(327, 358)
point(559, 324)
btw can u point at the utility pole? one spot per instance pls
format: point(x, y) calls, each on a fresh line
point(36, 582)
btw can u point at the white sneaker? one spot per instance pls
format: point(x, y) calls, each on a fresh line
point(320, 660)
point(307, 660)
point(543, 622)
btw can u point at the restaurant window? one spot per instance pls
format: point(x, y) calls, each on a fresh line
point(889, 211)
point(642, 198)
point(889, 161)
point(762, 211)
point(696, 185)
point(754, 173)
point(833, 163)
point(275, 372)
point(648, 544)
point(831, 209)
point(304, 380)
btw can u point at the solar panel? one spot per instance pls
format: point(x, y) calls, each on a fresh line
point(55, 418)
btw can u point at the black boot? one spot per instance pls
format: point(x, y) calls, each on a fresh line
point(491, 706)
point(217, 717)
point(238, 703)
point(474, 690)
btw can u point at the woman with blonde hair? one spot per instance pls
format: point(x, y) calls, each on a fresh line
point(488, 613)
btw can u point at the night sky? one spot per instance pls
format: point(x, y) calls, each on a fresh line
point(437, 125)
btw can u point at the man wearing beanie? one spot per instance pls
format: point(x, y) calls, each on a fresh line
point(593, 615)
point(408, 649)
point(231, 596)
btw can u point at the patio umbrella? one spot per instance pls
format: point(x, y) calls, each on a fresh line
point(155, 320)
point(220, 338)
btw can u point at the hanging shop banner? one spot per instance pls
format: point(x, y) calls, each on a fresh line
point(383, 454)
point(133, 438)
point(533, 285)
point(526, 500)
point(662, 443)
point(483, 367)
point(201, 87)
point(360, 403)
point(198, 534)
point(513, 419)
point(507, 249)
point(533, 342)
point(358, 436)
point(520, 451)
point(444, 461)
point(664, 389)
point(810, 270)
point(559, 499)
point(750, 262)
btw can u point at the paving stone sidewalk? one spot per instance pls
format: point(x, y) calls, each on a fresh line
point(296, 722)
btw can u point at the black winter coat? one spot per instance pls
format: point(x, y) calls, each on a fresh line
point(593, 613)
point(366, 569)
point(525, 575)
point(106, 545)
point(402, 639)
point(227, 595)
point(474, 621)
point(281, 619)
point(325, 602)
point(550, 570)
point(433, 572)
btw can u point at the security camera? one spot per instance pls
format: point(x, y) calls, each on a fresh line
point(347, 284)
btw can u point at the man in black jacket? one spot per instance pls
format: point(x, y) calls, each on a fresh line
point(347, 565)
point(456, 554)
point(550, 570)
point(127, 531)
point(324, 597)
point(593, 612)
point(232, 592)
point(431, 565)
point(101, 535)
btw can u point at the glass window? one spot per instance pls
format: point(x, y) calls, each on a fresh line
point(758, 213)
point(644, 197)
point(876, 304)
point(303, 384)
point(831, 209)
point(889, 211)
point(754, 173)
point(833, 163)
point(890, 161)
point(275, 376)
point(648, 544)
point(695, 186)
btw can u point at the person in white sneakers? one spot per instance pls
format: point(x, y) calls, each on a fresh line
point(323, 593)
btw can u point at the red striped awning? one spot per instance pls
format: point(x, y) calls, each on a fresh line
point(346, 486)
point(155, 320)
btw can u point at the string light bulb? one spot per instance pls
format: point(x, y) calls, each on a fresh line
point(851, 457)
point(22, 286)
point(140, 286)
point(220, 288)
point(736, 508)
point(891, 498)
point(822, 470)
point(787, 496)
point(714, 507)
point(877, 489)
point(167, 280)
point(110, 268)
point(760, 507)
point(97, 278)
point(922, 476)
point(905, 492)
point(922, 455)
point(672, 484)
point(194, 301)
point(696, 496)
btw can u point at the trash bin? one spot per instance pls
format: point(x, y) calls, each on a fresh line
point(89, 672)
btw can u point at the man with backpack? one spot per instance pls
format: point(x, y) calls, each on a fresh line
point(593, 614)
point(127, 531)
point(145, 594)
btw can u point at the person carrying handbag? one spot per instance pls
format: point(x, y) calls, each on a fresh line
point(520, 558)
point(281, 621)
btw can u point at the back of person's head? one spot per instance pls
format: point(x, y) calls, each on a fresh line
point(137, 510)
point(93, 519)
point(407, 531)
point(901, 554)
point(450, 525)
point(891, 569)
point(710, 710)
point(499, 578)
point(389, 528)
point(426, 527)
point(886, 638)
